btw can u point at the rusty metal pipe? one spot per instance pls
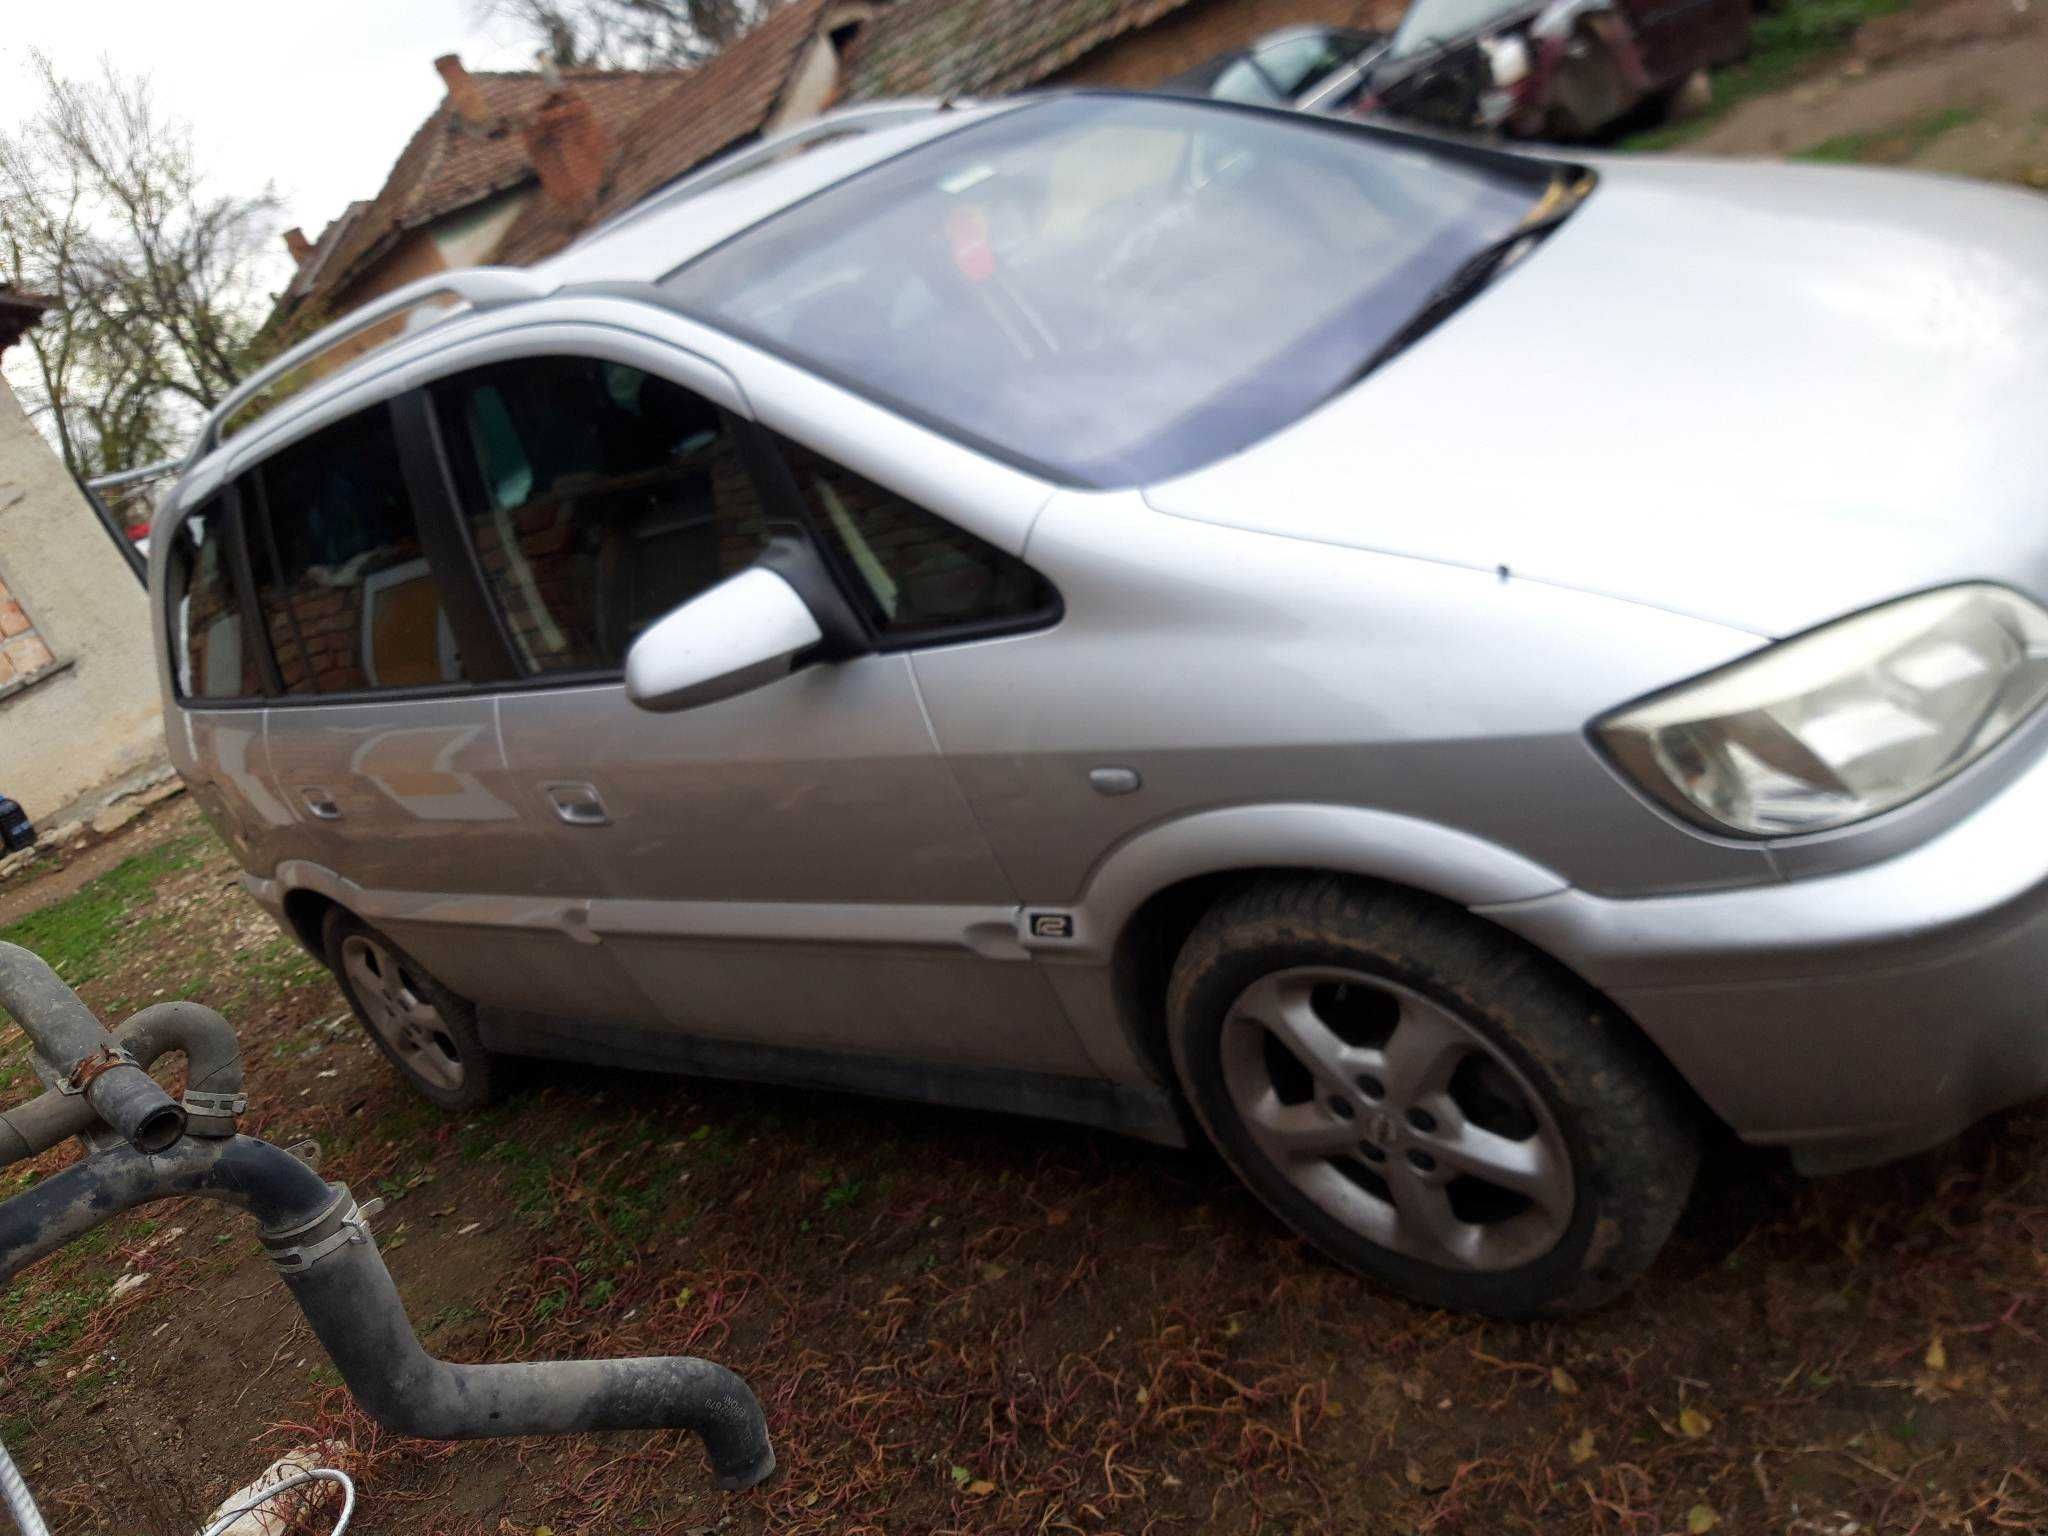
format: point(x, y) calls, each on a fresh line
point(69, 1038)
point(331, 1264)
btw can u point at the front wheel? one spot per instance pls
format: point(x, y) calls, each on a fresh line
point(423, 1029)
point(1425, 1099)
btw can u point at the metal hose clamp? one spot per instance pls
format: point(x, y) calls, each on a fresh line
point(342, 1223)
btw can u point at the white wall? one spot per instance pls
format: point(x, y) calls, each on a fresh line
point(75, 728)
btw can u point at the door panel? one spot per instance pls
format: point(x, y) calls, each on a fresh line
point(794, 867)
point(423, 818)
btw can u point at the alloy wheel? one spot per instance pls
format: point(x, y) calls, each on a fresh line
point(397, 1009)
point(1397, 1117)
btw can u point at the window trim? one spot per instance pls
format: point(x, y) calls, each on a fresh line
point(227, 503)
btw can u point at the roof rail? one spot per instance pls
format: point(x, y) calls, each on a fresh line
point(845, 122)
point(478, 287)
point(151, 471)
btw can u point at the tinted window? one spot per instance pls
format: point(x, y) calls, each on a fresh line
point(1297, 63)
point(1244, 81)
point(1116, 289)
point(210, 650)
point(341, 576)
point(914, 573)
point(598, 498)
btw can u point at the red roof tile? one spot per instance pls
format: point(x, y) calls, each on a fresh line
point(450, 165)
point(721, 103)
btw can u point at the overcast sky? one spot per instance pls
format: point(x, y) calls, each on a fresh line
point(313, 99)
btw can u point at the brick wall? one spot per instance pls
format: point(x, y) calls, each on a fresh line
point(23, 652)
point(1196, 33)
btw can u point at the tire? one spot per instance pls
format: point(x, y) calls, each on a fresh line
point(1427, 1100)
point(427, 1032)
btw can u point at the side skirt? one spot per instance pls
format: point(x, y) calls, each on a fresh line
point(1147, 1113)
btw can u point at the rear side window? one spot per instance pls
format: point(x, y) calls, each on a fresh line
point(348, 599)
point(915, 574)
point(597, 498)
point(211, 656)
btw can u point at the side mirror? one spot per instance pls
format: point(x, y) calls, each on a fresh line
point(742, 634)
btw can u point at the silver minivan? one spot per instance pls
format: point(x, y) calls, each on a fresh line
point(1450, 674)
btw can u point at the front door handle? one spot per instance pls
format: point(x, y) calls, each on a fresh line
point(319, 802)
point(579, 805)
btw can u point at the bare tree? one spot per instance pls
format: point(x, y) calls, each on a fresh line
point(102, 204)
point(629, 34)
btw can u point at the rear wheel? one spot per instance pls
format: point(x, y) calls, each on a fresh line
point(423, 1029)
point(1427, 1100)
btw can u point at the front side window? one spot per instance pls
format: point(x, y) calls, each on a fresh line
point(598, 498)
point(210, 654)
point(913, 573)
point(1112, 290)
point(348, 599)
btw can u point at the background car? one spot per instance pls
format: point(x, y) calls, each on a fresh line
point(1312, 68)
point(1551, 69)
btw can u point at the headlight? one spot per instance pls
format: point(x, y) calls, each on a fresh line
point(1842, 722)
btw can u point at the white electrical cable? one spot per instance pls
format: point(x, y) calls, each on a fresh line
point(20, 1502)
point(283, 1485)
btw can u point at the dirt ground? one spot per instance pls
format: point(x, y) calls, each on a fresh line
point(1959, 86)
point(960, 1323)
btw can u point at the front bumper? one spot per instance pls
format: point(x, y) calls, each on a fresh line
point(1852, 1017)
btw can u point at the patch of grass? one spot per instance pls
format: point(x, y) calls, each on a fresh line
point(1784, 45)
point(1889, 146)
point(78, 934)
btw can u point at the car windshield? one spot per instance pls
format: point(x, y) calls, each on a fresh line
point(1112, 290)
point(1430, 23)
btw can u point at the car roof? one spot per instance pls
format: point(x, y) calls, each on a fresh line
point(645, 242)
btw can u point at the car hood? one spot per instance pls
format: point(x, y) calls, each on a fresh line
point(1762, 395)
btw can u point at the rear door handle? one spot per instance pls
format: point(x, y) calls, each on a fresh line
point(579, 805)
point(319, 802)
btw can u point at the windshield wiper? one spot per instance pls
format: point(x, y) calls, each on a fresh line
point(1473, 274)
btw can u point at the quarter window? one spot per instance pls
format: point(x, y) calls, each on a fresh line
point(913, 572)
point(597, 497)
point(210, 651)
point(348, 599)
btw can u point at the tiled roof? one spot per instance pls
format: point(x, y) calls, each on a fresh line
point(984, 47)
point(450, 165)
point(695, 117)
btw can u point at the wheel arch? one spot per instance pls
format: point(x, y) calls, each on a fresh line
point(1155, 888)
point(1143, 897)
